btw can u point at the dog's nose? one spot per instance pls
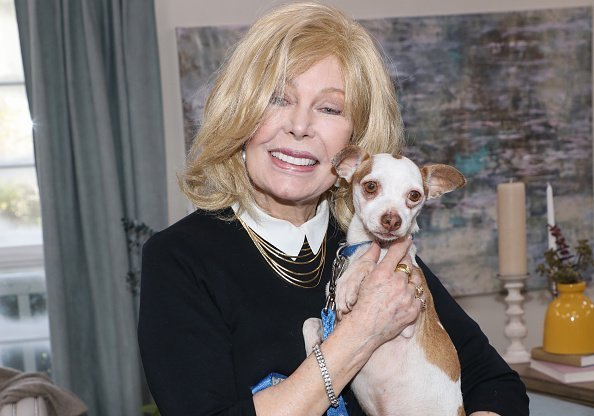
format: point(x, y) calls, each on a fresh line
point(391, 221)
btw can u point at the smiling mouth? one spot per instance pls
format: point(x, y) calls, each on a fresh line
point(297, 161)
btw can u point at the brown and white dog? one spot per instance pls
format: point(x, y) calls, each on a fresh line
point(418, 372)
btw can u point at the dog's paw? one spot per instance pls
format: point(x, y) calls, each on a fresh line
point(312, 333)
point(347, 292)
point(347, 286)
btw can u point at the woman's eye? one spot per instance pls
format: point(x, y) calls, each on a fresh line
point(331, 111)
point(370, 187)
point(414, 196)
point(278, 100)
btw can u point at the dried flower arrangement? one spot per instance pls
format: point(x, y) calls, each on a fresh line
point(563, 266)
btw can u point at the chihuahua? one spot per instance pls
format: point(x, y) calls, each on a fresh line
point(418, 372)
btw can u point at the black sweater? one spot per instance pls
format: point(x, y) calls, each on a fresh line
point(215, 320)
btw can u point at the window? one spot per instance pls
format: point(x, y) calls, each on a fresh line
point(24, 333)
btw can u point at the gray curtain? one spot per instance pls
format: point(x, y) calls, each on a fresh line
point(92, 78)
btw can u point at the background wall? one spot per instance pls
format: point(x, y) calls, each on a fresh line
point(487, 310)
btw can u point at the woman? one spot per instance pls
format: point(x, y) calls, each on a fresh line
point(225, 291)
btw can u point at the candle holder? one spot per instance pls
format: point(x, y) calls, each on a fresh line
point(515, 329)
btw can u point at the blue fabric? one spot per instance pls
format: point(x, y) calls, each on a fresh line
point(271, 379)
point(328, 320)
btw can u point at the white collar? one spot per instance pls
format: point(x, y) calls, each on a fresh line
point(285, 236)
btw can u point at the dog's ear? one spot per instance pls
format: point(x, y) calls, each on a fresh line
point(348, 160)
point(440, 179)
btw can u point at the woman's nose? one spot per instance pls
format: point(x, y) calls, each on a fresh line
point(299, 122)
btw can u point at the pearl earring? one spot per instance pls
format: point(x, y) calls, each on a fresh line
point(243, 155)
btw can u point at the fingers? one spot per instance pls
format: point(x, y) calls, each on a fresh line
point(422, 303)
point(396, 253)
point(405, 266)
point(389, 301)
point(414, 278)
point(372, 254)
point(416, 283)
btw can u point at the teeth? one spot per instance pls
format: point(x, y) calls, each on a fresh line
point(299, 161)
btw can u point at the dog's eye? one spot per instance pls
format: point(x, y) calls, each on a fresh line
point(414, 196)
point(370, 187)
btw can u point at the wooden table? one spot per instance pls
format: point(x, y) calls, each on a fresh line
point(582, 393)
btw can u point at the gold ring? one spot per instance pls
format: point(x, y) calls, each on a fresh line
point(423, 304)
point(420, 290)
point(401, 267)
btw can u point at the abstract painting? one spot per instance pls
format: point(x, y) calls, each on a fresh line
point(501, 96)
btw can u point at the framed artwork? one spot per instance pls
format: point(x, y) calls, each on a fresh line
point(501, 96)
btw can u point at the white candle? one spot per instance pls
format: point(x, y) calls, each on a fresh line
point(550, 215)
point(511, 225)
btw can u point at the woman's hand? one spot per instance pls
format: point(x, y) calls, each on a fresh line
point(385, 306)
point(386, 302)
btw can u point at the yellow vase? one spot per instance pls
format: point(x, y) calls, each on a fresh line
point(569, 321)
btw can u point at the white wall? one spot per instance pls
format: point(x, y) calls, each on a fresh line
point(487, 310)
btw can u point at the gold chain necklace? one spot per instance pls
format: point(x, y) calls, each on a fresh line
point(306, 280)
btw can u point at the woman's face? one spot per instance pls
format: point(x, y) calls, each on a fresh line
point(288, 158)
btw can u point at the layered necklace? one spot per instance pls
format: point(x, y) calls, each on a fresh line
point(304, 270)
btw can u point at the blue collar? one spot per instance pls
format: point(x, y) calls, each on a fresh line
point(349, 250)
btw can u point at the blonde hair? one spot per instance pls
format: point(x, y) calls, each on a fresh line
point(279, 46)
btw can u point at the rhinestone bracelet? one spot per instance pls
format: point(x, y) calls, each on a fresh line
point(325, 376)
